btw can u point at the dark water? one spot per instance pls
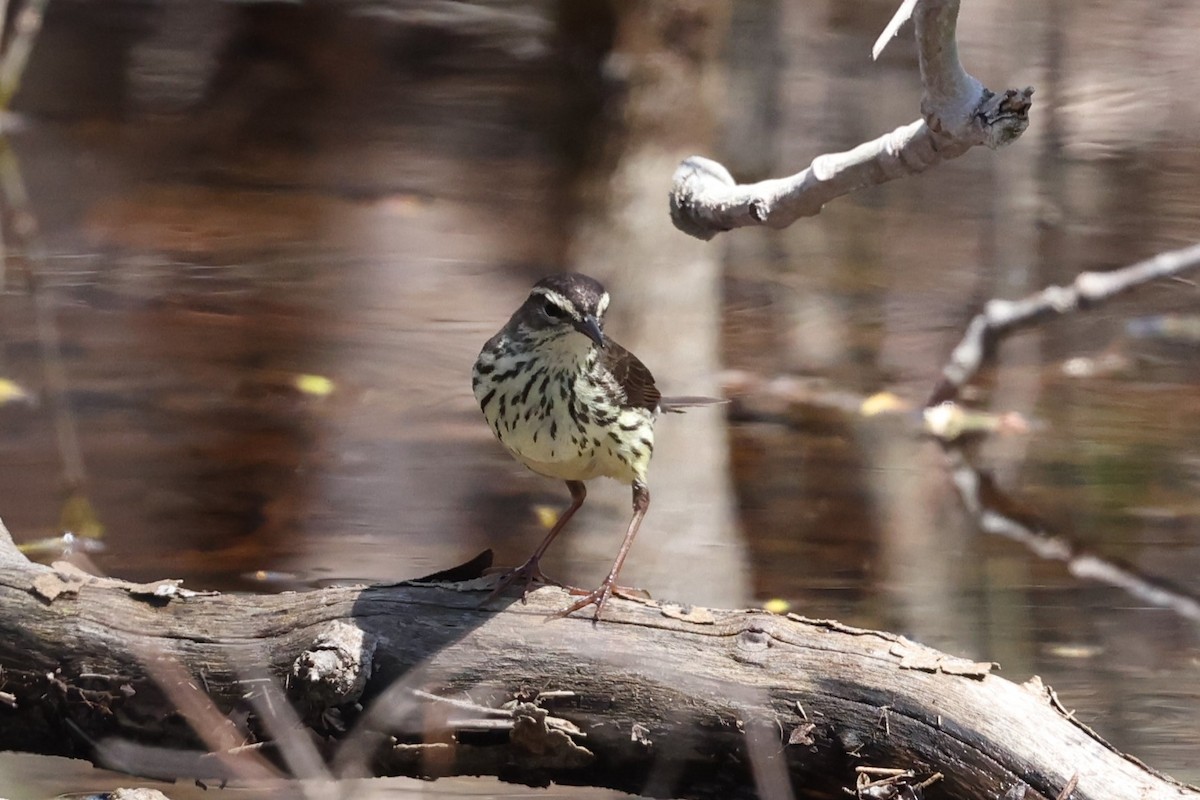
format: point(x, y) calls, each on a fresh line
point(266, 337)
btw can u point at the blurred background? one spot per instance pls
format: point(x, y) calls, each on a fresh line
point(252, 250)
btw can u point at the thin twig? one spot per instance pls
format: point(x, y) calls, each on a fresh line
point(463, 705)
point(1069, 789)
point(281, 722)
point(930, 781)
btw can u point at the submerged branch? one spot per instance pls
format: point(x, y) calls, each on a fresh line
point(995, 513)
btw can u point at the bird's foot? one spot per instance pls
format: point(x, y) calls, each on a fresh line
point(597, 597)
point(531, 572)
point(635, 593)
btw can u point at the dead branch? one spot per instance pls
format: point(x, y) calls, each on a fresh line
point(413, 679)
point(1088, 290)
point(958, 113)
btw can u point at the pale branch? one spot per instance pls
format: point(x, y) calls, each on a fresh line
point(1088, 290)
point(903, 14)
point(414, 679)
point(958, 113)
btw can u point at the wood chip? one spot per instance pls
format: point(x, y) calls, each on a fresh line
point(50, 585)
point(924, 659)
point(696, 614)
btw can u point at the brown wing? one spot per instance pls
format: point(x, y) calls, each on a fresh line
point(631, 375)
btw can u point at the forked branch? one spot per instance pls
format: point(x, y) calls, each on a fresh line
point(957, 111)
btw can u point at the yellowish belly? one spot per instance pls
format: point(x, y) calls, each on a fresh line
point(621, 451)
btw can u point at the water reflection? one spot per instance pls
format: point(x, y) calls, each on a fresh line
point(196, 289)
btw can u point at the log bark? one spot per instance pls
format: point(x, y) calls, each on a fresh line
point(414, 679)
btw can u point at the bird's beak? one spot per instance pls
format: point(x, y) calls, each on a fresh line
point(589, 326)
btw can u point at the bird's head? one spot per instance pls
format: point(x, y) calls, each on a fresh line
point(566, 304)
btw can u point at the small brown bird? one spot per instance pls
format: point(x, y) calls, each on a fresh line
point(570, 403)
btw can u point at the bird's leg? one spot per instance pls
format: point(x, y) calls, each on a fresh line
point(530, 570)
point(599, 596)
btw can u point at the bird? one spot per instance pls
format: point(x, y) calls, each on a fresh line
point(569, 403)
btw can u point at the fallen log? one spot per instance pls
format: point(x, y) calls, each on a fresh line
point(413, 679)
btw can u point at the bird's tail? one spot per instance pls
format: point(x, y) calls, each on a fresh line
point(677, 405)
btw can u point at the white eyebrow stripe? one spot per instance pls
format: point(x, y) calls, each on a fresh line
point(602, 306)
point(557, 299)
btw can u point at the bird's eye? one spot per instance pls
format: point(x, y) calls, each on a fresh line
point(553, 310)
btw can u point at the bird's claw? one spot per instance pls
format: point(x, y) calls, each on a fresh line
point(531, 572)
point(598, 597)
